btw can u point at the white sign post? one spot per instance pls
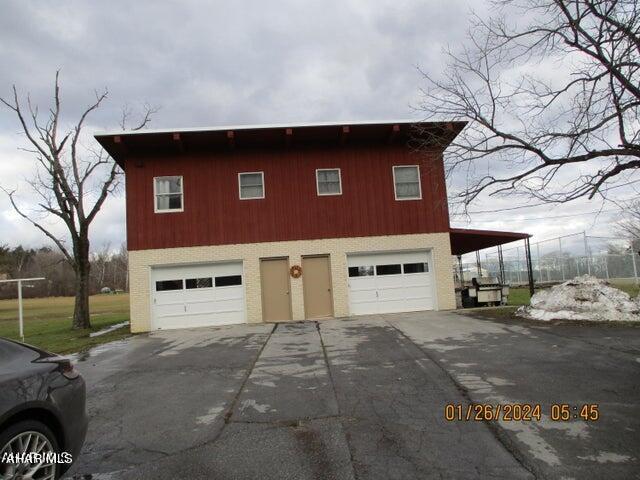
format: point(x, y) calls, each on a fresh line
point(19, 282)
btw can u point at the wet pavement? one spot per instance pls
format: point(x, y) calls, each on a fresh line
point(362, 398)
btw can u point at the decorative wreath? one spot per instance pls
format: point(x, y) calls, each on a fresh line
point(296, 271)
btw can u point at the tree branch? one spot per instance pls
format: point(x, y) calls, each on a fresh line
point(526, 126)
point(50, 235)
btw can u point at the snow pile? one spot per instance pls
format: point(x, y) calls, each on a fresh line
point(109, 329)
point(583, 298)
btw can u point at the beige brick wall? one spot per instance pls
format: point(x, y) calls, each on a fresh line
point(141, 261)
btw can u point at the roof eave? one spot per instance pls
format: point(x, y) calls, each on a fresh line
point(121, 144)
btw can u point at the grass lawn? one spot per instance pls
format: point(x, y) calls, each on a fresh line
point(519, 296)
point(47, 322)
point(628, 286)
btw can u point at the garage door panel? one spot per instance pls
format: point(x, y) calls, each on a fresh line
point(389, 281)
point(391, 306)
point(362, 283)
point(416, 292)
point(202, 307)
point(235, 301)
point(170, 309)
point(363, 286)
point(229, 292)
point(362, 308)
point(202, 320)
point(390, 293)
point(199, 294)
point(211, 308)
point(417, 280)
point(423, 290)
point(199, 302)
point(228, 269)
point(384, 290)
point(386, 258)
point(363, 296)
point(228, 305)
point(413, 305)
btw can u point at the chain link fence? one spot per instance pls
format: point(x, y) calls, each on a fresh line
point(561, 258)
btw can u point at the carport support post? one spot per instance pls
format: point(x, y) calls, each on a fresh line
point(561, 258)
point(478, 265)
point(539, 263)
point(586, 252)
point(527, 247)
point(501, 265)
point(460, 272)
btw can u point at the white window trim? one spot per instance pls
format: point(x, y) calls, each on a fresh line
point(318, 181)
point(155, 195)
point(395, 193)
point(264, 190)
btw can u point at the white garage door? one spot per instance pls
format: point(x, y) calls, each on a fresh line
point(197, 295)
point(390, 282)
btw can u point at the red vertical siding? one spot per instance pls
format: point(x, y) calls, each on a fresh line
point(292, 210)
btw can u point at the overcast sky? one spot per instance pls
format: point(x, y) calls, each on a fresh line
point(242, 62)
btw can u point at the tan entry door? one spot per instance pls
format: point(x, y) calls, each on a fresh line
point(316, 282)
point(276, 298)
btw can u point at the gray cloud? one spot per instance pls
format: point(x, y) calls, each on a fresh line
point(218, 63)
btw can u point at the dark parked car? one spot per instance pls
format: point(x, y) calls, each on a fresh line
point(42, 413)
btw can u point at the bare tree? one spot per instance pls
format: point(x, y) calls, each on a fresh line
point(121, 268)
point(629, 225)
point(69, 185)
point(99, 264)
point(551, 91)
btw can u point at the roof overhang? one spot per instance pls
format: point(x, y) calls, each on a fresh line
point(466, 241)
point(121, 144)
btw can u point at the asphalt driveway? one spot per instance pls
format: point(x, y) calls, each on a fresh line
point(362, 398)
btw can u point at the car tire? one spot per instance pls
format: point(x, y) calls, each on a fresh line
point(10, 433)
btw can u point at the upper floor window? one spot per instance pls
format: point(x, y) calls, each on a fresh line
point(406, 179)
point(168, 194)
point(328, 181)
point(251, 185)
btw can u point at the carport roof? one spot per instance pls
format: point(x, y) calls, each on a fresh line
point(465, 241)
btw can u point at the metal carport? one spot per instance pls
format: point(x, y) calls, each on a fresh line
point(467, 241)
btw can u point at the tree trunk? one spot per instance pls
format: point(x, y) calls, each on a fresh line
point(81, 314)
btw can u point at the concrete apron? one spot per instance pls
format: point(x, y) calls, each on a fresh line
point(360, 398)
point(536, 363)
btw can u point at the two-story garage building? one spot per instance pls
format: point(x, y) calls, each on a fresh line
point(276, 223)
